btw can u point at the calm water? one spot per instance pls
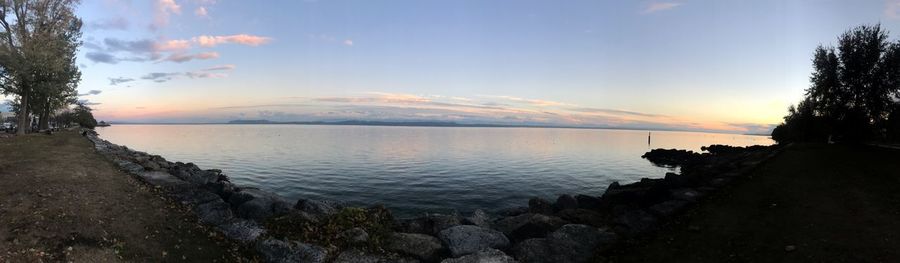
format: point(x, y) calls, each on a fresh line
point(416, 169)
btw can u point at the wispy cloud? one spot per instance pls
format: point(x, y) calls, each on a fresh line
point(892, 9)
point(220, 67)
point(118, 23)
point(119, 80)
point(160, 76)
point(90, 92)
point(659, 6)
point(180, 57)
point(201, 12)
point(348, 42)
point(243, 39)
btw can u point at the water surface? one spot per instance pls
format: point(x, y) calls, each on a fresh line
point(417, 169)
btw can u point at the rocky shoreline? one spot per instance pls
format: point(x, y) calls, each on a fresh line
point(570, 229)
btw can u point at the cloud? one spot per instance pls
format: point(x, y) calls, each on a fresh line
point(659, 6)
point(119, 80)
point(348, 42)
point(611, 111)
point(243, 39)
point(88, 102)
point(160, 76)
point(201, 12)
point(179, 58)
point(118, 23)
point(90, 92)
point(892, 9)
point(220, 67)
point(532, 102)
point(101, 57)
point(205, 75)
point(162, 10)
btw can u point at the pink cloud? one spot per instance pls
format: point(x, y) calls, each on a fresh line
point(201, 12)
point(243, 39)
point(221, 67)
point(163, 9)
point(181, 57)
point(172, 45)
point(892, 9)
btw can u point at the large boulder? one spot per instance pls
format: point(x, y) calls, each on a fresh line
point(430, 223)
point(635, 222)
point(538, 205)
point(215, 212)
point(589, 202)
point(274, 250)
point(583, 216)
point(255, 204)
point(513, 211)
point(318, 208)
point(669, 208)
point(565, 202)
point(478, 218)
point(467, 239)
point(528, 225)
point(570, 243)
point(242, 230)
point(421, 246)
point(484, 256)
point(357, 256)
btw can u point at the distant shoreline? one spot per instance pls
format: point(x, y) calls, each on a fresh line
point(424, 124)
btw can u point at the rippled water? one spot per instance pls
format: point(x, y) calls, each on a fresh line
point(416, 169)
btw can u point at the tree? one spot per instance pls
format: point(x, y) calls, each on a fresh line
point(852, 92)
point(82, 116)
point(37, 47)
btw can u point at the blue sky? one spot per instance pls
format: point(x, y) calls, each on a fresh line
point(732, 66)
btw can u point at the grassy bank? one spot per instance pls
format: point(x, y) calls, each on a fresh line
point(61, 201)
point(812, 203)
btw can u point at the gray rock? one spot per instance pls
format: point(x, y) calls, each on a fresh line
point(686, 194)
point(669, 208)
point(357, 256)
point(478, 218)
point(355, 235)
point(430, 224)
point(635, 222)
point(318, 208)
point(589, 202)
point(151, 165)
point(571, 243)
point(582, 216)
point(162, 179)
point(484, 256)
point(566, 202)
point(242, 230)
point(273, 250)
point(252, 203)
point(513, 211)
point(214, 213)
point(529, 225)
point(466, 239)
point(538, 205)
point(421, 246)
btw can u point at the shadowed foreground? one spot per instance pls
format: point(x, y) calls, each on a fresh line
point(60, 201)
point(812, 203)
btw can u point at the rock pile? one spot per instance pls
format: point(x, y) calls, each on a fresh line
point(570, 229)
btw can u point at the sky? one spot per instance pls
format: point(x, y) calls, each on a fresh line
point(716, 65)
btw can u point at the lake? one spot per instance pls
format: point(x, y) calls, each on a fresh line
point(417, 169)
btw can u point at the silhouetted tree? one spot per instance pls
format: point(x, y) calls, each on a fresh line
point(852, 93)
point(82, 116)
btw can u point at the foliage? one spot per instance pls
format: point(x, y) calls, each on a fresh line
point(853, 93)
point(377, 221)
point(38, 43)
point(83, 117)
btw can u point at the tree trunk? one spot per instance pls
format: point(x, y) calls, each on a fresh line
point(45, 116)
point(23, 114)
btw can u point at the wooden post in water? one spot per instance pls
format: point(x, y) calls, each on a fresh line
point(648, 137)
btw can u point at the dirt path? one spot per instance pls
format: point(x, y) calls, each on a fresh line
point(60, 201)
point(812, 203)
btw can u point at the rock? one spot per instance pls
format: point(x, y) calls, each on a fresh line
point(538, 205)
point(195, 196)
point(355, 235)
point(430, 224)
point(318, 208)
point(686, 194)
point(273, 250)
point(529, 225)
point(466, 239)
point(151, 165)
point(565, 202)
point(357, 256)
point(668, 208)
point(242, 230)
point(635, 222)
point(790, 248)
point(589, 202)
point(582, 216)
point(672, 157)
point(513, 211)
point(421, 246)
point(214, 213)
point(162, 179)
point(478, 218)
point(571, 243)
point(255, 204)
point(484, 256)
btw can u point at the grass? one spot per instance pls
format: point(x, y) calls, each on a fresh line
point(812, 203)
